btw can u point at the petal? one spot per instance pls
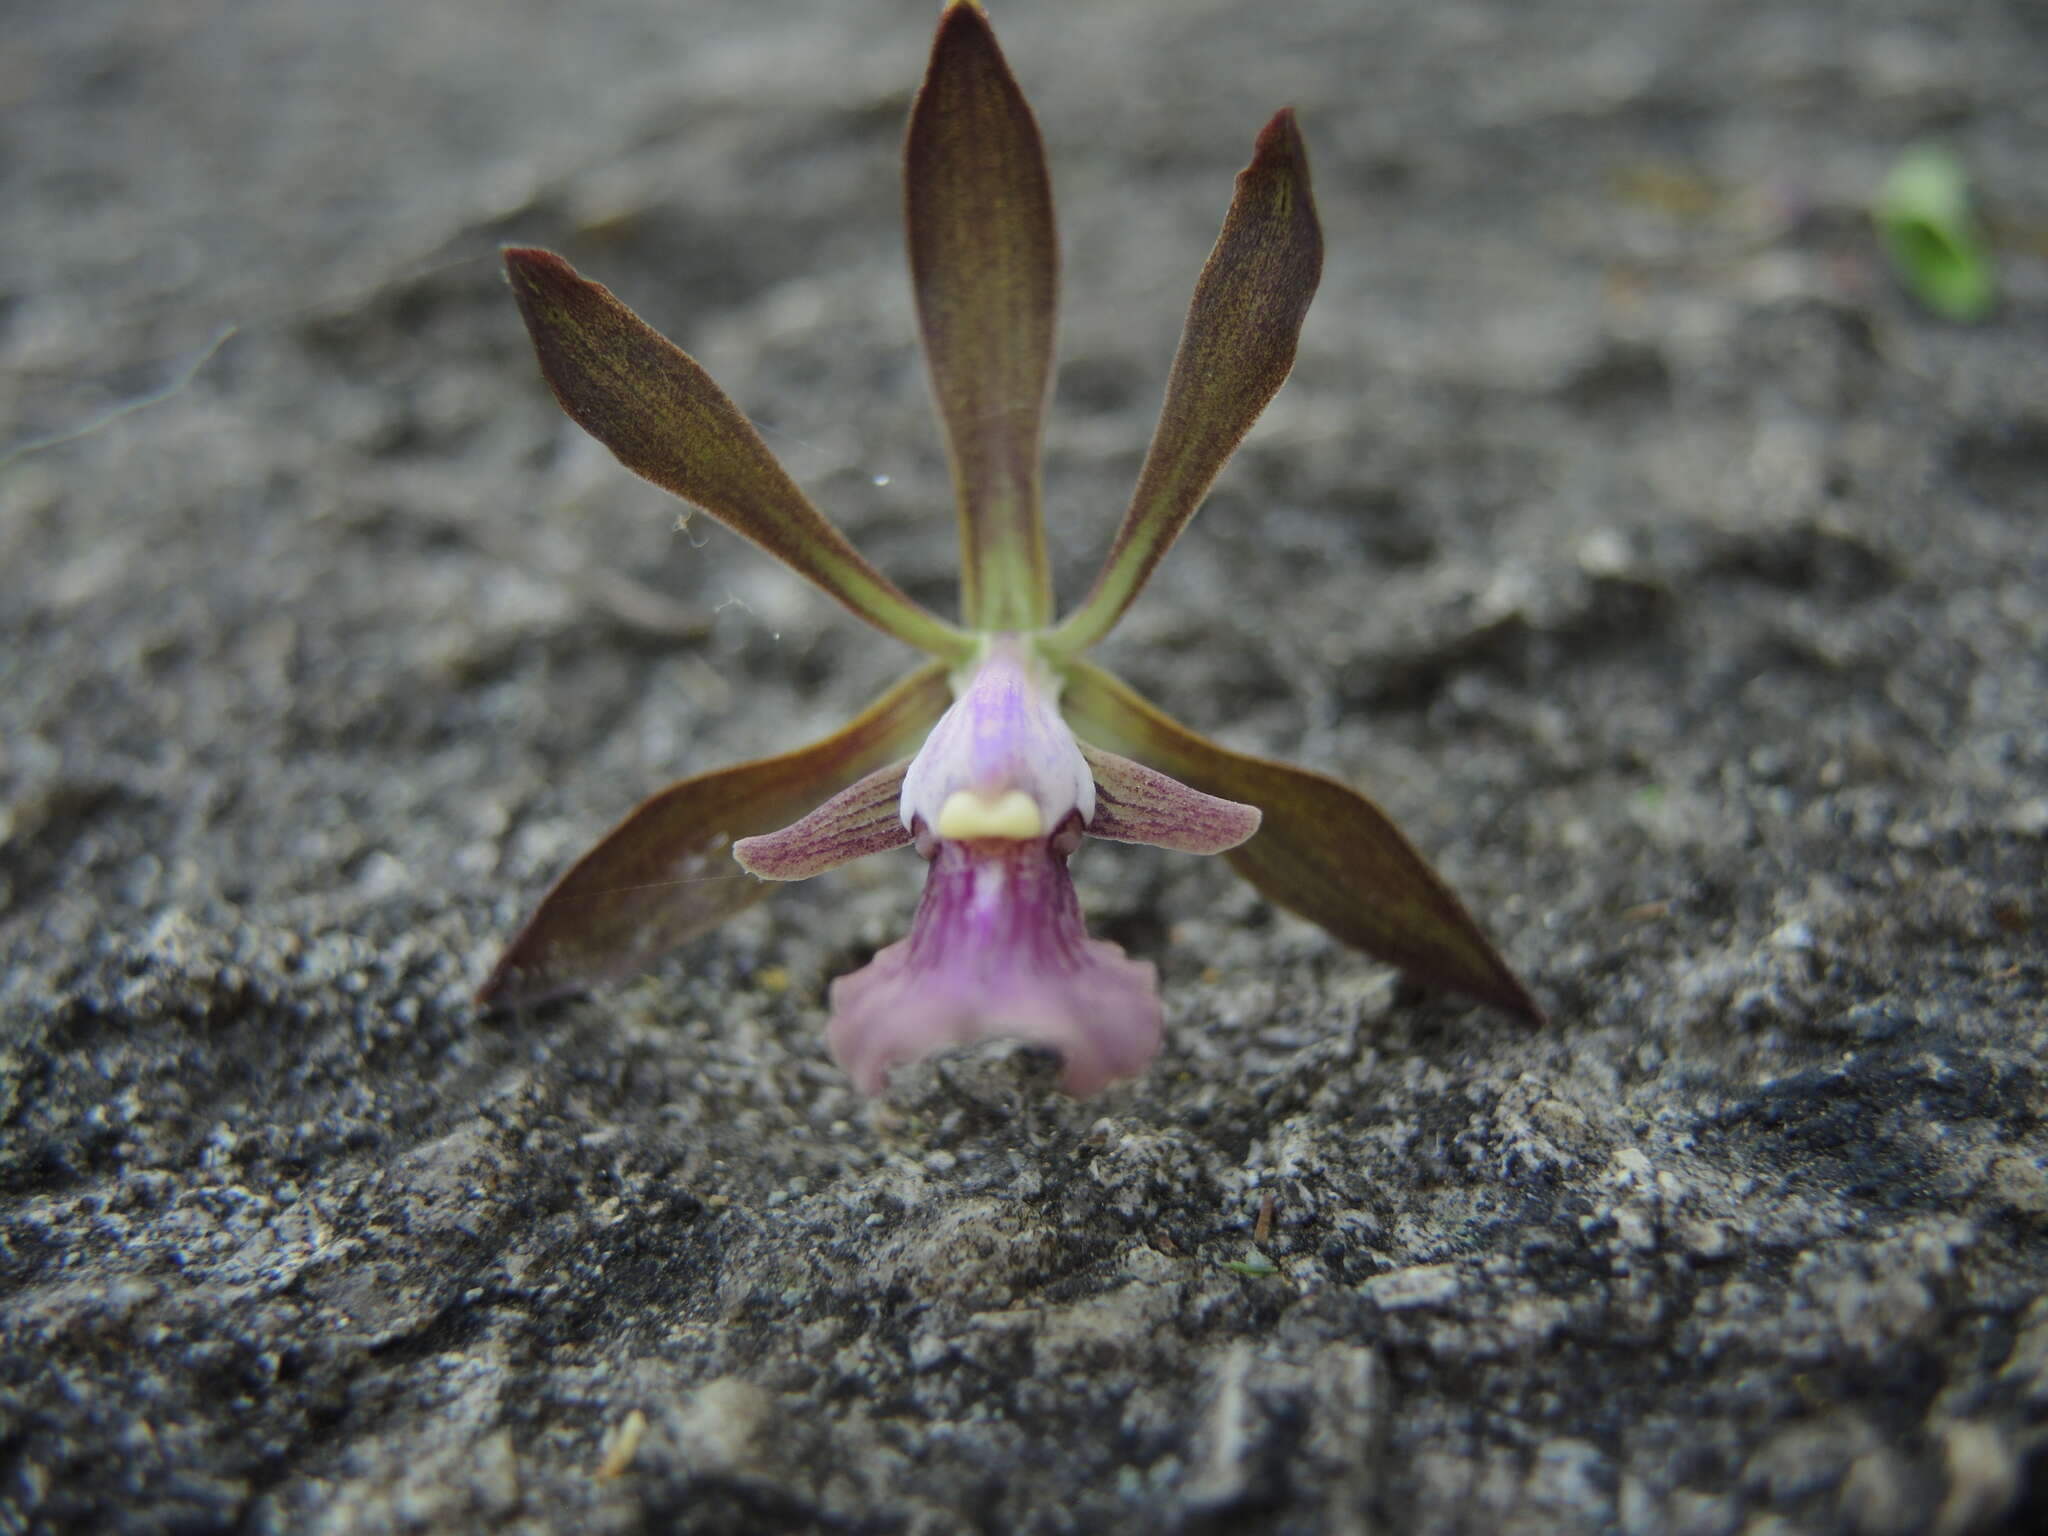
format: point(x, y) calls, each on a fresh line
point(1235, 351)
point(1323, 850)
point(984, 263)
point(998, 951)
point(862, 819)
point(1004, 735)
point(660, 414)
point(1136, 804)
point(663, 874)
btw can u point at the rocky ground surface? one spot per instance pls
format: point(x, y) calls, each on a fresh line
point(1678, 584)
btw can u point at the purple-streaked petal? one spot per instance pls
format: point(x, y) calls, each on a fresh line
point(1235, 351)
point(998, 951)
point(861, 819)
point(1323, 850)
point(1136, 804)
point(661, 415)
point(666, 873)
point(984, 264)
point(1003, 737)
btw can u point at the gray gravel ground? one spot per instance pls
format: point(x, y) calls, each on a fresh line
point(1670, 576)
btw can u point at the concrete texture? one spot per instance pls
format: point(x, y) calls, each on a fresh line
point(1676, 583)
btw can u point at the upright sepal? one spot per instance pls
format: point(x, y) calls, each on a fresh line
point(648, 401)
point(1323, 850)
point(1236, 350)
point(666, 872)
point(984, 264)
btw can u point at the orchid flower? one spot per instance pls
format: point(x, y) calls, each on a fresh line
point(1006, 748)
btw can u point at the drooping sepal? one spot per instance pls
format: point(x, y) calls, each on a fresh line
point(998, 951)
point(666, 873)
point(861, 819)
point(1236, 350)
point(661, 415)
point(984, 265)
point(1323, 850)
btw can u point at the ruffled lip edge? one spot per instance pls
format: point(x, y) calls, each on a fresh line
point(998, 951)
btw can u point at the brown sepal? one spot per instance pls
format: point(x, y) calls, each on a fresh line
point(1236, 349)
point(1323, 850)
point(648, 401)
point(667, 872)
point(984, 266)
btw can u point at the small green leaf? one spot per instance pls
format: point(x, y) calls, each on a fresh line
point(666, 872)
point(1236, 350)
point(1323, 850)
point(1924, 220)
point(661, 415)
point(1257, 1267)
point(984, 264)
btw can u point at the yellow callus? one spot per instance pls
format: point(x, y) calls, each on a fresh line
point(967, 815)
